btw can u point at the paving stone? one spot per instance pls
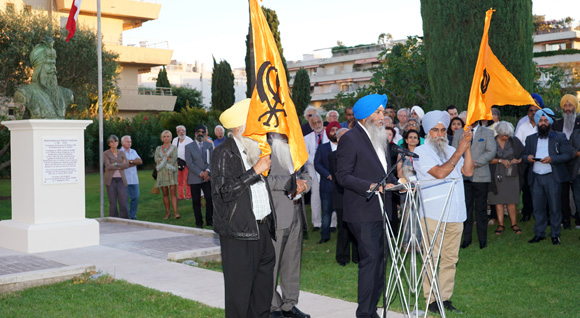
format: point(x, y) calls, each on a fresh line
point(25, 263)
point(112, 228)
point(159, 248)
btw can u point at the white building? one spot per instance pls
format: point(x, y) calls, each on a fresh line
point(196, 76)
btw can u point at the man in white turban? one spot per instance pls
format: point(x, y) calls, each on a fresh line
point(243, 218)
point(438, 160)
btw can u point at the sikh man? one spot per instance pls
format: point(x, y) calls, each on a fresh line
point(574, 166)
point(362, 161)
point(287, 188)
point(244, 218)
point(547, 151)
point(567, 124)
point(438, 160)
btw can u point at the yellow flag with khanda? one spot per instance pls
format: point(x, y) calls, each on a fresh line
point(493, 84)
point(271, 108)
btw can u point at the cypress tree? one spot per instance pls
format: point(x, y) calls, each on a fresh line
point(162, 80)
point(301, 91)
point(222, 86)
point(452, 35)
point(273, 22)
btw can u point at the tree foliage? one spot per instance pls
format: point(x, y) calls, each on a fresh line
point(540, 23)
point(402, 75)
point(452, 34)
point(222, 86)
point(554, 82)
point(273, 22)
point(186, 97)
point(76, 62)
point(162, 80)
point(301, 91)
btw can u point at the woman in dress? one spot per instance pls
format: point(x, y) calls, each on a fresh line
point(505, 175)
point(115, 162)
point(166, 160)
point(455, 124)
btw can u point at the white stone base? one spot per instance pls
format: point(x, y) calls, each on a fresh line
point(45, 237)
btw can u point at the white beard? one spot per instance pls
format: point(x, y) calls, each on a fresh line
point(281, 152)
point(440, 144)
point(377, 135)
point(252, 150)
point(569, 120)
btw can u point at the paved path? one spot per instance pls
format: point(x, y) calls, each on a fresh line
point(138, 251)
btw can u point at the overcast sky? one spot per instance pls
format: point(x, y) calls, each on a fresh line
point(197, 29)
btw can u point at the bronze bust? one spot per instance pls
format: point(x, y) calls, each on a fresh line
point(43, 98)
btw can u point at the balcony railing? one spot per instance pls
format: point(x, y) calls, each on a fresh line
point(128, 41)
point(154, 91)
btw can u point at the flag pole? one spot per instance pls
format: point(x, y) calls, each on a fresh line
point(100, 80)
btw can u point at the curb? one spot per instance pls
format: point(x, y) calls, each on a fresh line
point(160, 226)
point(19, 281)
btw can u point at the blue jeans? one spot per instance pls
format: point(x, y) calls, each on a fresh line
point(545, 188)
point(133, 199)
point(326, 201)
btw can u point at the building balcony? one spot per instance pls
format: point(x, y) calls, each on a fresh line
point(134, 13)
point(141, 55)
point(134, 100)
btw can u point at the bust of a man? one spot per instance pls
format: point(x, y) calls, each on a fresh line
point(43, 98)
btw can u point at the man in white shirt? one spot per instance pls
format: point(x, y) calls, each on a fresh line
point(313, 140)
point(180, 142)
point(438, 160)
point(131, 176)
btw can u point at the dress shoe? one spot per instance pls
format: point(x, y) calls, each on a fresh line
point(342, 263)
point(465, 244)
point(482, 244)
point(316, 228)
point(276, 314)
point(536, 239)
point(556, 240)
point(433, 308)
point(525, 218)
point(322, 241)
point(447, 305)
point(295, 313)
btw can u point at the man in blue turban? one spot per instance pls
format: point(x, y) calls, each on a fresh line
point(362, 161)
point(547, 151)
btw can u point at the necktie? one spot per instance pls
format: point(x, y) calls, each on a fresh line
point(200, 147)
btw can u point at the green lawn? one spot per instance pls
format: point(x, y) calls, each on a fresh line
point(510, 278)
point(104, 297)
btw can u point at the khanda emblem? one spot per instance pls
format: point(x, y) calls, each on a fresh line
point(485, 81)
point(263, 76)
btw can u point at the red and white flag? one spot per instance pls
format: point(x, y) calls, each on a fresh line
point(71, 24)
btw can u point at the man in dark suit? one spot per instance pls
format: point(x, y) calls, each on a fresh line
point(344, 237)
point(548, 151)
point(198, 158)
point(322, 167)
point(567, 124)
point(363, 161)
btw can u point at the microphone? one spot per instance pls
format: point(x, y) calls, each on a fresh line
point(404, 151)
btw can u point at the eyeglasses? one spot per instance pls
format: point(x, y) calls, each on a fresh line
point(415, 125)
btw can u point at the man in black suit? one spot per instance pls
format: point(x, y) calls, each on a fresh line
point(551, 152)
point(567, 124)
point(198, 157)
point(363, 161)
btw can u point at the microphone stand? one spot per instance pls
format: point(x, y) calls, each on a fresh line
point(386, 240)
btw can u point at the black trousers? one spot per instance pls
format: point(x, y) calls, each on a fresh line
point(527, 205)
point(196, 201)
point(344, 241)
point(248, 275)
point(475, 201)
point(371, 266)
point(565, 195)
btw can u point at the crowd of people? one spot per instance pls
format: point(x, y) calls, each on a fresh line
point(261, 220)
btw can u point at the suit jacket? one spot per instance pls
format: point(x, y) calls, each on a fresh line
point(322, 167)
point(310, 140)
point(109, 161)
point(559, 151)
point(279, 181)
point(559, 124)
point(482, 151)
point(358, 166)
point(196, 161)
point(574, 163)
point(337, 189)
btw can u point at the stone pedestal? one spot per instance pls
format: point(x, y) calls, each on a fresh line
point(48, 187)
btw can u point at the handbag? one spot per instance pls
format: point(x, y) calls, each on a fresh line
point(154, 174)
point(180, 164)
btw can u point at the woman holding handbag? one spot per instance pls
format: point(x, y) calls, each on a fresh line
point(166, 165)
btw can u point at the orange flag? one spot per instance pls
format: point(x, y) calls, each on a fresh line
point(271, 109)
point(492, 83)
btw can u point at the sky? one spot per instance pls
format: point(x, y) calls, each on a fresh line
point(197, 29)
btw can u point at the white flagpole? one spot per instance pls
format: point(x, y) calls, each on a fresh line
point(100, 71)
